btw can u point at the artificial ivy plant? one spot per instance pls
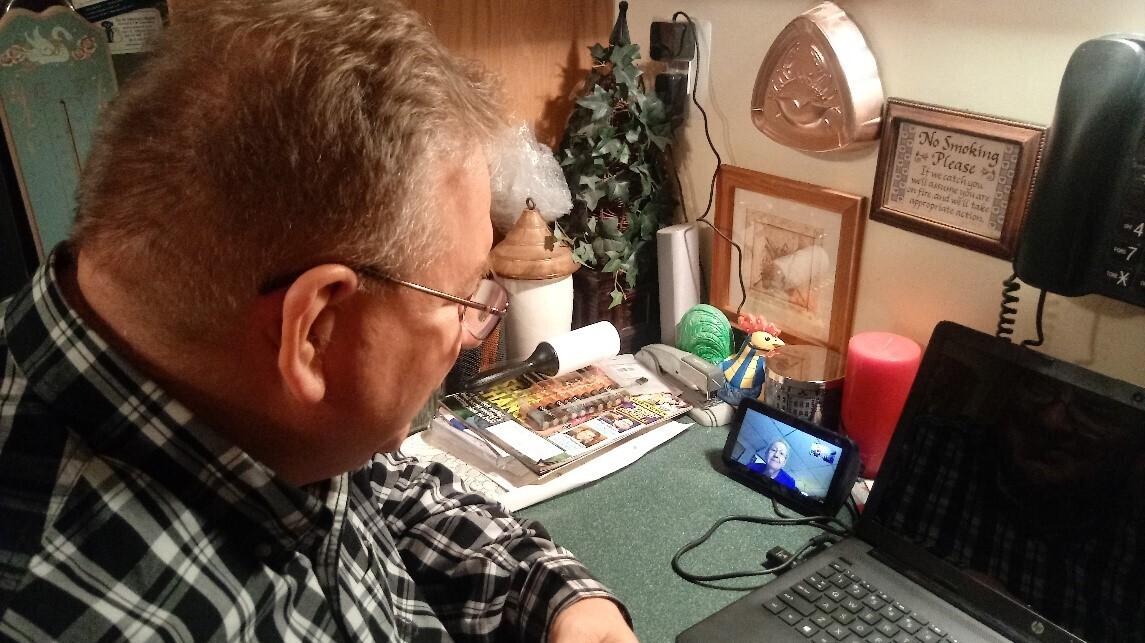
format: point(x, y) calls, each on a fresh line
point(614, 157)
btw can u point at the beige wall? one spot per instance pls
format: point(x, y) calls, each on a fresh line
point(1004, 58)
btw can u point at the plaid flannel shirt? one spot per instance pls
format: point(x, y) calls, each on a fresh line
point(122, 516)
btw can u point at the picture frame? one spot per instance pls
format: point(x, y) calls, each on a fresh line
point(798, 246)
point(956, 176)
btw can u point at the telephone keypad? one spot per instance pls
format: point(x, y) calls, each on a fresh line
point(1121, 278)
point(1124, 274)
point(1126, 254)
point(1132, 225)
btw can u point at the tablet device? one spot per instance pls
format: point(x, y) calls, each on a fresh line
point(803, 466)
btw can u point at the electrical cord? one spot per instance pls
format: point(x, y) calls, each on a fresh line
point(849, 503)
point(703, 218)
point(779, 560)
point(736, 246)
point(704, 114)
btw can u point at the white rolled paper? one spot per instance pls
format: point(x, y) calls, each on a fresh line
point(585, 346)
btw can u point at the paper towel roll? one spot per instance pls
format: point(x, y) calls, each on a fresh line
point(678, 265)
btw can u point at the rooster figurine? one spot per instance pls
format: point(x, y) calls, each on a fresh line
point(744, 370)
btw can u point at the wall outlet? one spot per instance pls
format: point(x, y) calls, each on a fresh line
point(684, 47)
point(704, 49)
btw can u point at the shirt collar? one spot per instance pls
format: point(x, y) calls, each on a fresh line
point(122, 414)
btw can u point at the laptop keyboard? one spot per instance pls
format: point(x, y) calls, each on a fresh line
point(835, 605)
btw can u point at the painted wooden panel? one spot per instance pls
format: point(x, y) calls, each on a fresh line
point(55, 77)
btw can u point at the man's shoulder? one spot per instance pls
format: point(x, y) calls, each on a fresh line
point(66, 492)
point(56, 497)
point(105, 527)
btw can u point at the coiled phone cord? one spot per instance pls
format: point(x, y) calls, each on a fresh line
point(1006, 316)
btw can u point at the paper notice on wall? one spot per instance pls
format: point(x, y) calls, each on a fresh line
point(129, 27)
point(956, 179)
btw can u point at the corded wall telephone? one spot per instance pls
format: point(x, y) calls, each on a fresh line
point(1085, 227)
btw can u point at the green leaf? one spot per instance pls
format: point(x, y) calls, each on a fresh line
point(629, 76)
point(610, 229)
point(598, 103)
point(662, 142)
point(589, 181)
point(592, 196)
point(624, 55)
point(559, 232)
point(618, 191)
point(649, 226)
point(584, 255)
point(612, 265)
point(598, 52)
point(610, 147)
point(617, 297)
point(612, 247)
point(630, 277)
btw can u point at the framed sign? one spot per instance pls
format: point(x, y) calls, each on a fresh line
point(788, 251)
point(955, 176)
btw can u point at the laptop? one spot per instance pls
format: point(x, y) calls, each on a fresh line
point(1009, 506)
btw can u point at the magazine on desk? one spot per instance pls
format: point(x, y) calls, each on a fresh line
point(549, 423)
point(501, 477)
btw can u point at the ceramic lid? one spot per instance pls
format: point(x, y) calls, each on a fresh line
point(530, 251)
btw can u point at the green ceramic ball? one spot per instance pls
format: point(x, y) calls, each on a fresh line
point(706, 332)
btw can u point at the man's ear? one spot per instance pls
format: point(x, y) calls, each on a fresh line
point(308, 316)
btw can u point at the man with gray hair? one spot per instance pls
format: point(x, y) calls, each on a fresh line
point(281, 246)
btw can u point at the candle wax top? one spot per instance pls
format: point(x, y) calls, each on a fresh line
point(884, 347)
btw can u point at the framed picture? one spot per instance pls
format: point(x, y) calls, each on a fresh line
point(955, 176)
point(795, 256)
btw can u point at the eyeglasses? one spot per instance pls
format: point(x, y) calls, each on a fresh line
point(479, 314)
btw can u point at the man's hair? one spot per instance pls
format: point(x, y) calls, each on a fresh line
point(268, 136)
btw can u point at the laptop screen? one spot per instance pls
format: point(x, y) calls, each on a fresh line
point(1025, 477)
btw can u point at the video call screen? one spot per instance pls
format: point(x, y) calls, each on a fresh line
point(806, 463)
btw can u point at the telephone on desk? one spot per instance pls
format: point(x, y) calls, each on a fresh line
point(697, 379)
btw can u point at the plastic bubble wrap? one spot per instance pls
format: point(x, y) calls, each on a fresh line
point(523, 168)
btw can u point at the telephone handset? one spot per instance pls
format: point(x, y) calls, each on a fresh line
point(1085, 227)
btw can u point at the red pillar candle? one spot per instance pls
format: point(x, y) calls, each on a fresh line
point(880, 370)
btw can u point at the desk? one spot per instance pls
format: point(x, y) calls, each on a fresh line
point(627, 527)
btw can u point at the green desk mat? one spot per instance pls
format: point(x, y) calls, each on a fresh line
point(627, 527)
